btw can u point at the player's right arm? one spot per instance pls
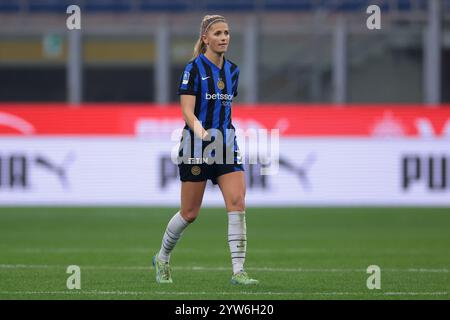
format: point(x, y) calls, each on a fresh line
point(188, 107)
point(188, 90)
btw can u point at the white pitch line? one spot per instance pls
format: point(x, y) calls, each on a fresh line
point(77, 250)
point(144, 293)
point(200, 268)
point(148, 250)
point(385, 251)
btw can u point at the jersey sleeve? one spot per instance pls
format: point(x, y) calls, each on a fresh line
point(189, 80)
point(235, 82)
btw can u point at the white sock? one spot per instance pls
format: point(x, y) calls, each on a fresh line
point(237, 239)
point(173, 232)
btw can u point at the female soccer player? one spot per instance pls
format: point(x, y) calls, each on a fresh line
point(207, 87)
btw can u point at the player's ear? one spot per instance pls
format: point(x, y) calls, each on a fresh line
point(204, 39)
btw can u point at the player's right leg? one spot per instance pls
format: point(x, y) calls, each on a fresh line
point(191, 200)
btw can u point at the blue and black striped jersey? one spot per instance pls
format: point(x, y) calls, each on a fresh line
point(214, 89)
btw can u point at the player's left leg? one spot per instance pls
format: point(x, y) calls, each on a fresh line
point(232, 186)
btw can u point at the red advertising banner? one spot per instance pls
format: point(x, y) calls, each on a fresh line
point(291, 120)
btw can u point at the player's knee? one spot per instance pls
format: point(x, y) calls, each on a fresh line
point(190, 214)
point(236, 203)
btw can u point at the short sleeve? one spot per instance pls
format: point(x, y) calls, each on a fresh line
point(235, 82)
point(189, 80)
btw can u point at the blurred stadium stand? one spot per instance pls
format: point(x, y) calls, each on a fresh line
point(125, 6)
point(314, 51)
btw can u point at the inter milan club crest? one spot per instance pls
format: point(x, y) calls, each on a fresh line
point(196, 170)
point(220, 84)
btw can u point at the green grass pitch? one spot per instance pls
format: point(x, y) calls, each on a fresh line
point(296, 253)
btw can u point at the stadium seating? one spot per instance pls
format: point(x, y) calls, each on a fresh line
point(124, 6)
point(47, 5)
point(9, 6)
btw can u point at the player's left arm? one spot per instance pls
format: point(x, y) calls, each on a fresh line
point(235, 81)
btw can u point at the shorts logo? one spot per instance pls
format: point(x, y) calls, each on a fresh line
point(220, 84)
point(185, 77)
point(196, 170)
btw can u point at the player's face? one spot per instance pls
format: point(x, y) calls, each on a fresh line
point(218, 37)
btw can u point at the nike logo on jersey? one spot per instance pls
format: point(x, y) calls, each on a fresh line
point(205, 78)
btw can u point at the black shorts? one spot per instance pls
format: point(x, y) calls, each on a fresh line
point(204, 171)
